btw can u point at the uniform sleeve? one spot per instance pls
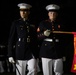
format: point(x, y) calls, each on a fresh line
point(11, 40)
point(40, 31)
point(33, 42)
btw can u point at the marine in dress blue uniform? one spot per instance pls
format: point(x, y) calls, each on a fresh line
point(51, 48)
point(23, 34)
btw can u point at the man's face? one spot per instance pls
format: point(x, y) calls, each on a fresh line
point(52, 15)
point(24, 13)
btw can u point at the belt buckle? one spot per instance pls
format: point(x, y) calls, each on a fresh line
point(56, 40)
point(21, 39)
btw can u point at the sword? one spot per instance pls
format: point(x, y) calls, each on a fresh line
point(17, 68)
point(64, 32)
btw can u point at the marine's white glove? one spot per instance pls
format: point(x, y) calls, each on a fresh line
point(47, 32)
point(11, 60)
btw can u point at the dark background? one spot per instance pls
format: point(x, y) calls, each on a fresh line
point(10, 12)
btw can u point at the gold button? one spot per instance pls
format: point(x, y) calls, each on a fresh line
point(18, 45)
point(52, 29)
point(54, 37)
point(52, 26)
point(27, 26)
point(45, 44)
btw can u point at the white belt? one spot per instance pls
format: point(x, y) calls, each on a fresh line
point(51, 40)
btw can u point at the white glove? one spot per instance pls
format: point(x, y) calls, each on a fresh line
point(47, 32)
point(11, 60)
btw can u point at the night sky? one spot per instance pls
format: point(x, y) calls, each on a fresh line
point(10, 12)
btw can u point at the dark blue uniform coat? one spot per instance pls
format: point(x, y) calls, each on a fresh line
point(53, 49)
point(23, 35)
